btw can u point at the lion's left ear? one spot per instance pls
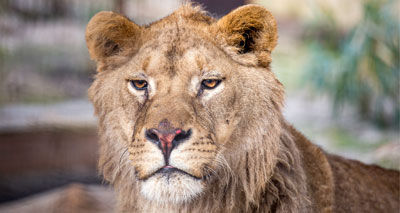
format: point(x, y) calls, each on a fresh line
point(251, 29)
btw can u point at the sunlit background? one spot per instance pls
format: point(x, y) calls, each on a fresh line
point(339, 61)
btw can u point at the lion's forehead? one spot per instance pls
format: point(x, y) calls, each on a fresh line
point(177, 50)
point(166, 64)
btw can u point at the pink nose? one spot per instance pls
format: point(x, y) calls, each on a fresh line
point(167, 140)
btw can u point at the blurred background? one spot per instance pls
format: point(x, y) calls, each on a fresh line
point(339, 61)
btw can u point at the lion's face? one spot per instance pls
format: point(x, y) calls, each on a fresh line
point(179, 105)
point(179, 114)
point(185, 114)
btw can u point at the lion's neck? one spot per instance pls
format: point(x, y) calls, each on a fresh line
point(287, 190)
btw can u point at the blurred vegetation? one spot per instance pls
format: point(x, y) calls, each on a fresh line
point(43, 56)
point(361, 66)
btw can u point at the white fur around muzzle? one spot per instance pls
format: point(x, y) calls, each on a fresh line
point(175, 188)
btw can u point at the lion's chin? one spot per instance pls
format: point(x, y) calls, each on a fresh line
point(172, 188)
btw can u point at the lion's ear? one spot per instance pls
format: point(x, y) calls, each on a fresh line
point(110, 34)
point(251, 29)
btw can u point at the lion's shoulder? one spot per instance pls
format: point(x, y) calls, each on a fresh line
point(359, 187)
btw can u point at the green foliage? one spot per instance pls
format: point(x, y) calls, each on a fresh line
point(362, 66)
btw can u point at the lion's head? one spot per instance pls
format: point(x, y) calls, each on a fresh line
point(188, 107)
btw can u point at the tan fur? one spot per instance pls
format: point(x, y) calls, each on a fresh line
point(242, 155)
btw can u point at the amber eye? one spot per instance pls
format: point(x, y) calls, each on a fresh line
point(210, 83)
point(139, 84)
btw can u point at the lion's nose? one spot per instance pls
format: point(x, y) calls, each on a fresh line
point(167, 140)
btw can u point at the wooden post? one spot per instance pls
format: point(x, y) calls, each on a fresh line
point(119, 6)
point(221, 7)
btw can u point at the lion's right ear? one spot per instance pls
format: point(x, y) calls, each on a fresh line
point(110, 34)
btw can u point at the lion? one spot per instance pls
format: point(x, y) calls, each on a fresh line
point(190, 120)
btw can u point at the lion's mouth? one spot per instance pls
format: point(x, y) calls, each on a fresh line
point(168, 171)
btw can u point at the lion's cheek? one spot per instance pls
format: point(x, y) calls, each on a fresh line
point(145, 160)
point(196, 158)
point(224, 131)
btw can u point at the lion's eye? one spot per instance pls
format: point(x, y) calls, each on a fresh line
point(139, 84)
point(210, 83)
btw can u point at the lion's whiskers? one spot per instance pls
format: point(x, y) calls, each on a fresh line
point(120, 159)
point(226, 169)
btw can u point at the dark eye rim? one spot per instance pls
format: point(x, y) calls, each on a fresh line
point(204, 86)
point(132, 82)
